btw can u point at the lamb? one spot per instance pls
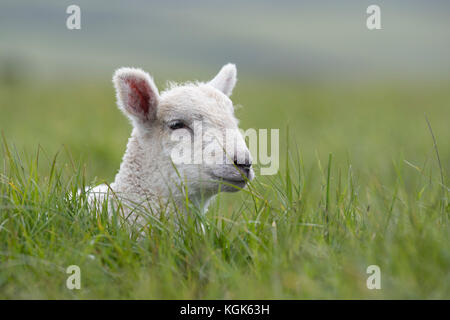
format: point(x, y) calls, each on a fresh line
point(192, 112)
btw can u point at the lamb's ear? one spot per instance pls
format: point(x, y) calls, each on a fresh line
point(137, 95)
point(226, 79)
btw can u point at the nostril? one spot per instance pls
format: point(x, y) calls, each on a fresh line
point(246, 165)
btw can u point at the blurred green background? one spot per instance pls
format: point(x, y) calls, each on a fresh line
point(311, 66)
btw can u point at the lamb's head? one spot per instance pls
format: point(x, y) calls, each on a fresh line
point(187, 132)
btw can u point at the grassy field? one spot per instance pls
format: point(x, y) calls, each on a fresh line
point(359, 184)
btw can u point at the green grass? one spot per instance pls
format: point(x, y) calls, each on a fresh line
point(359, 184)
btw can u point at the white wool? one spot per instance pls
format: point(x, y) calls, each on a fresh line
point(147, 177)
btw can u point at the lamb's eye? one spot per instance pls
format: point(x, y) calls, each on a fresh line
point(177, 125)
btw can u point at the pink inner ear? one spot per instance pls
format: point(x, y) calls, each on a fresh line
point(139, 95)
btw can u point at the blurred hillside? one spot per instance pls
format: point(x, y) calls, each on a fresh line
point(179, 39)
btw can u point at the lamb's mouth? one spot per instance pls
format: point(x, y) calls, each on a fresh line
point(238, 182)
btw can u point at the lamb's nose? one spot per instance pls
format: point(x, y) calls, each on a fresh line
point(245, 166)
